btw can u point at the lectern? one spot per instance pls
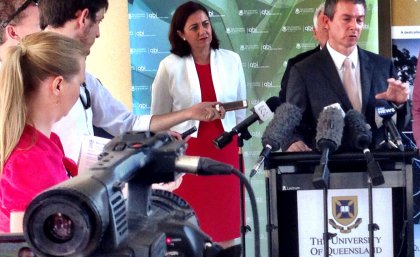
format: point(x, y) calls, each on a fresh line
point(288, 173)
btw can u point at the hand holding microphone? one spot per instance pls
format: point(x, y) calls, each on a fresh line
point(286, 118)
point(232, 106)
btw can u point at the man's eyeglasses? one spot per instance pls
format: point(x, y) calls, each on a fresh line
point(18, 11)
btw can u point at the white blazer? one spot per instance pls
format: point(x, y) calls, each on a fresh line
point(176, 86)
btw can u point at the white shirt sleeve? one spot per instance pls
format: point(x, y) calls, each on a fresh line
point(105, 112)
point(110, 114)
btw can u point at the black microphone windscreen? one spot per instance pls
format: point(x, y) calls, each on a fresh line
point(273, 102)
point(329, 128)
point(286, 118)
point(357, 133)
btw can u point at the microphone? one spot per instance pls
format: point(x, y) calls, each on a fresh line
point(360, 137)
point(262, 111)
point(328, 138)
point(232, 106)
point(202, 166)
point(386, 114)
point(286, 118)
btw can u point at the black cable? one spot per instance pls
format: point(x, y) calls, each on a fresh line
point(253, 202)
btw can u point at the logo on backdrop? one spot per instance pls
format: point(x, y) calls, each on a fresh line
point(344, 211)
point(304, 10)
point(294, 28)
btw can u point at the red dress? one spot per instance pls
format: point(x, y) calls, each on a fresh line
point(215, 199)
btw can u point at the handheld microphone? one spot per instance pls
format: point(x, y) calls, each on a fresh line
point(232, 106)
point(188, 132)
point(386, 114)
point(261, 112)
point(360, 137)
point(286, 118)
point(328, 138)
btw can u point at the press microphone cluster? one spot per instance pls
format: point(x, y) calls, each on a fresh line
point(286, 118)
point(328, 138)
point(360, 137)
point(261, 112)
point(386, 113)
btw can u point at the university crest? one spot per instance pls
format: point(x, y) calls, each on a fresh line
point(344, 211)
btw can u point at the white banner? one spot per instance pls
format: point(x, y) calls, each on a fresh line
point(416, 240)
point(405, 32)
point(348, 217)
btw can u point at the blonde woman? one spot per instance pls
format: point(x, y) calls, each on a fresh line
point(39, 83)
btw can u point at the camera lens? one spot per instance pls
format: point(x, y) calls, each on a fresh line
point(59, 228)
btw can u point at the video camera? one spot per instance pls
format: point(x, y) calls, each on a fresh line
point(89, 216)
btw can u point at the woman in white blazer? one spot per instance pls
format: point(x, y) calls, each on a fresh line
point(176, 86)
point(197, 71)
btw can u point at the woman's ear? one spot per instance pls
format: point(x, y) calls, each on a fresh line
point(181, 35)
point(56, 85)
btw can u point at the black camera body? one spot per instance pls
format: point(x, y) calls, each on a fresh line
point(89, 216)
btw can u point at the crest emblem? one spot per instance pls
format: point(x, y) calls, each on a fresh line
point(344, 211)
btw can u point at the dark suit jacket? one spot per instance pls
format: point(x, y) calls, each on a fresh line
point(290, 63)
point(315, 83)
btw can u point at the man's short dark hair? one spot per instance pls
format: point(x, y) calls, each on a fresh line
point(330, 6)
point(180, 17)
point(56, 13)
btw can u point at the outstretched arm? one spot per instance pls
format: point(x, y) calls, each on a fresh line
point(204, 111)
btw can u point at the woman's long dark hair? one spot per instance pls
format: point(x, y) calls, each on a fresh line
point(180, 17)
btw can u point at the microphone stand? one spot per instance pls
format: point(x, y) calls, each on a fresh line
point(321, 180)
point(270, 226)
point(326, 235)
point(375, 177)
point(371, 226)
point(242, 135)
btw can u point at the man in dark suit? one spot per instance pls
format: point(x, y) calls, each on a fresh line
point(320, 35)
point(316, 82)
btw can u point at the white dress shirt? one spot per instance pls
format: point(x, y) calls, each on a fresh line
point(339, 58)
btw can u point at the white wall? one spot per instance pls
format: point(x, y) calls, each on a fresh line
point(109, 59)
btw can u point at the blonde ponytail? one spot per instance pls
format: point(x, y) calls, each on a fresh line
point(37, 57)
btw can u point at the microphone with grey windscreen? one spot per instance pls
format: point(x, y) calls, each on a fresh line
point(328, 138)
point(286, 118)
point(359, 137)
